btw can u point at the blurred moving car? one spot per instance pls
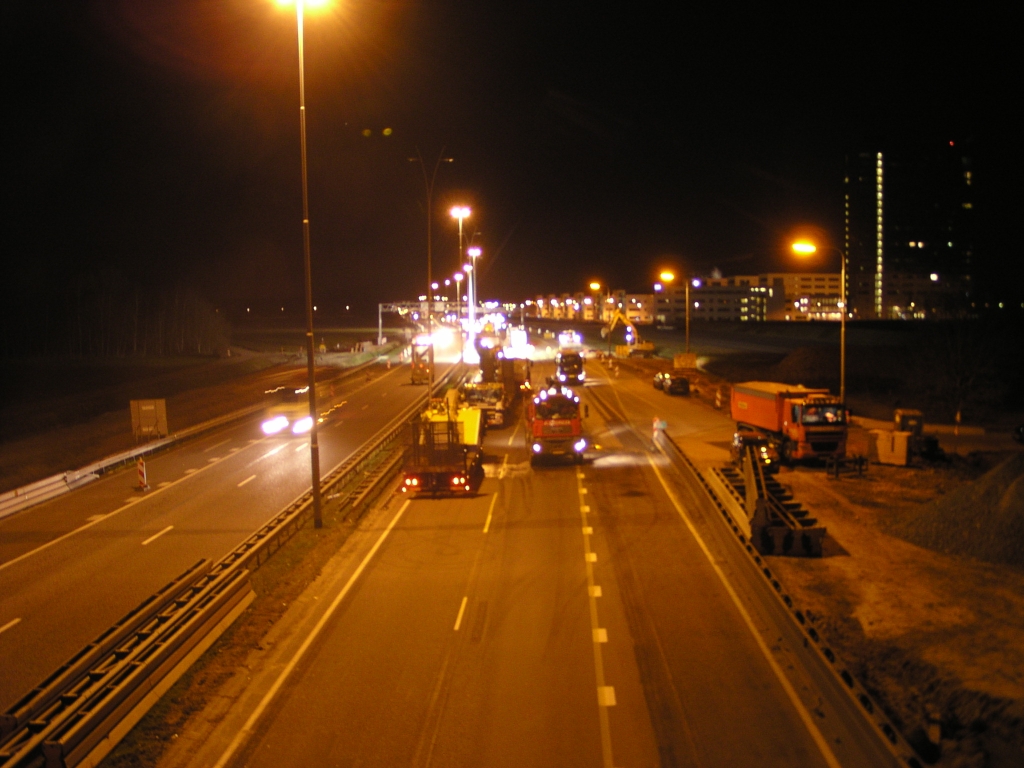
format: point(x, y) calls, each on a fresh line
point(763, 446)
point(675, 385)
point(661, 378)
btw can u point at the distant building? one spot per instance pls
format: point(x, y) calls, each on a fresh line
point(639, 308)
point(909, 214)
point(790, 296)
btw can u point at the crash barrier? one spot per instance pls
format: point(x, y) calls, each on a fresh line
point(78, 708)
point(843, 680)
point(56, 485)
point(83, 709)
point(778, 524)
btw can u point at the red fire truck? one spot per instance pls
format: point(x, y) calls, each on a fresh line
point(554, 427)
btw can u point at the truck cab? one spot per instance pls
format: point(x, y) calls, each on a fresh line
point(554, 427)
point(569, 368)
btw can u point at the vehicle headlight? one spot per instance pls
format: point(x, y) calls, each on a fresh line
point(580, 445)
point(536, 448)
point(302, 425)
point(582, 375)
point(274, 425)
point(561, 377)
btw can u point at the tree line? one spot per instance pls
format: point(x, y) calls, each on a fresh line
point(105, 315)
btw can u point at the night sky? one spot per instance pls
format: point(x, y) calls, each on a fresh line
point(159, 140)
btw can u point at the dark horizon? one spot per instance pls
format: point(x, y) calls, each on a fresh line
point(158, 146)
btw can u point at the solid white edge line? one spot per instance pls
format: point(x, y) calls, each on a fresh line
point(487, 524)
point(8, 625)
point(156, 536)
point(805, 716)
point(458, 619)
point(249, 479)
point(269, 696)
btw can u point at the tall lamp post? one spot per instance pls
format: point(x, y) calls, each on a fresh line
point(461, 212)
point(314, 447)
point(429, 185)
point(458, 308)
point(474, 254)
point(807, 248)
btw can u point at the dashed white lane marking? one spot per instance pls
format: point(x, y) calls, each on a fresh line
point(514, 433)
point(214, 460)
point(216, 445)
point(247, 480)
point(791, 693)
point(95, 518)
point(246, 729)
point(164, 484)
point(365, 407)
point(91, 523)
point(156, 536)
point(302, 447)
point(487, 523)
point(234, 450)
point(605, 693)
point(271, 452)
point(132, 499)
point(587, 530)
point(462, 610)
point(8, 625)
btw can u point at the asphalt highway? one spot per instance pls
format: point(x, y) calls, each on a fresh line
point(73, 566)
point(565, 615)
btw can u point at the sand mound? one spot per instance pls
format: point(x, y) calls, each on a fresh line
point(983, 519)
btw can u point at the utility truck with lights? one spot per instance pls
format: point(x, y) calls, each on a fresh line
point(801, 423)
point(554, 426)
point(445, 457)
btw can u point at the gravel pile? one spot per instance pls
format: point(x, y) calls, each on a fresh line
point(983, 519)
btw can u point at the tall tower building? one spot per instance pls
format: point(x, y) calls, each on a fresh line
point(909, 232)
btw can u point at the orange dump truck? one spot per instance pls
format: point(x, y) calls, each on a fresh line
point(803, 423)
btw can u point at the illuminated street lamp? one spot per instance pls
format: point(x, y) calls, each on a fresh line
point(474, 254)
point(314, 447)
point(807, 248)
point(458, 307)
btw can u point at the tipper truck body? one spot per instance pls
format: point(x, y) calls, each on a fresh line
point(803, 423)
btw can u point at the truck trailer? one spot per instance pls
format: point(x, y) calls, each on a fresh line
point(802, 423)
point(445, 456)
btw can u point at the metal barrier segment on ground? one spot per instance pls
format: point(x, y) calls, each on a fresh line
point(80, 710)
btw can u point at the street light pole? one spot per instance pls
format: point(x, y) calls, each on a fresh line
point(460, 212)
point(805, 248)
point(458, 310)
point(429, 185)
point(474, 254)
point(314, 447)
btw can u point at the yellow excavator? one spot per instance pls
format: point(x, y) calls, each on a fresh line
point(633, 347)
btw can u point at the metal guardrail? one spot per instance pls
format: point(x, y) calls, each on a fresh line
point(75, 713)
point(842, 680)
point(778, 524)
point(57, 485)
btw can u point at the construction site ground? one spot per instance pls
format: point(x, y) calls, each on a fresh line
point(937, 638)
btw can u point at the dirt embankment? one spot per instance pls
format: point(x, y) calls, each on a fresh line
point(924, 596)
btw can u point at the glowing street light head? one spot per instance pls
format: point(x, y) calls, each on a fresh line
point(460, 212)
point(595, 286)
point(667, 277)
point(474, 251)
point(458, 277)
point(304, 3)
point(804, 248)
